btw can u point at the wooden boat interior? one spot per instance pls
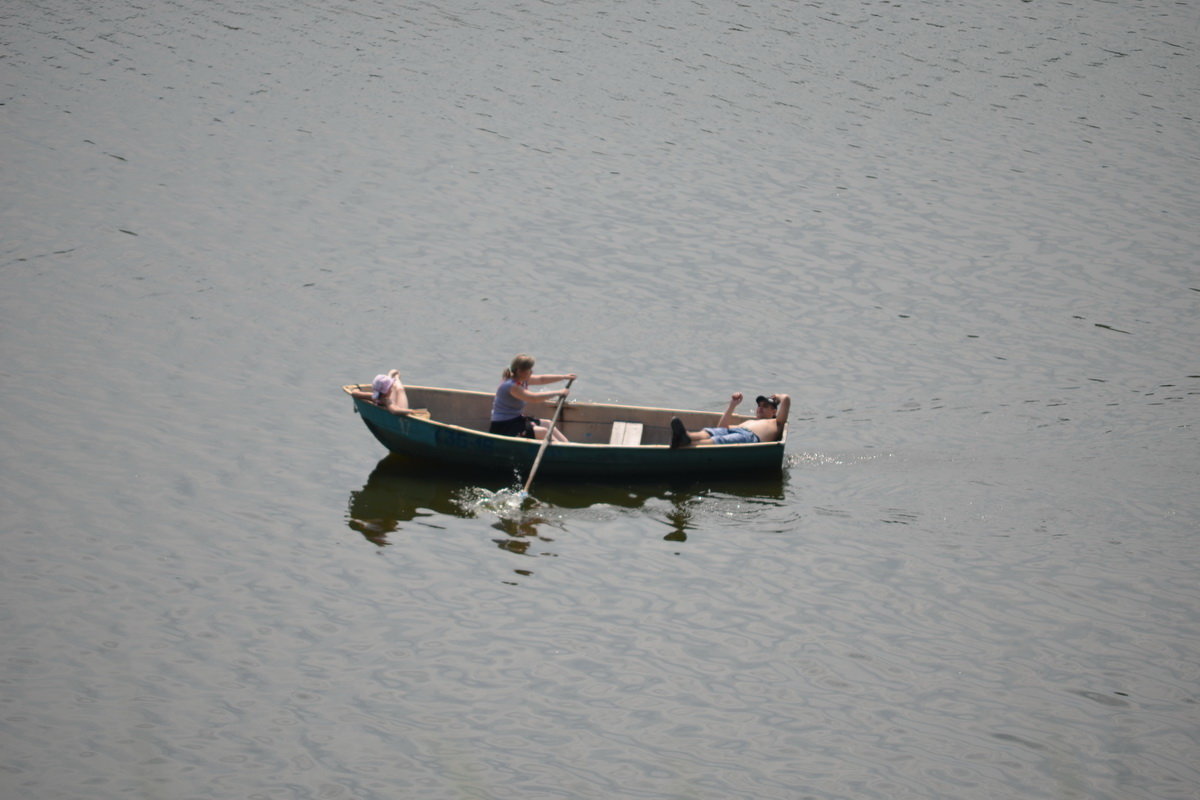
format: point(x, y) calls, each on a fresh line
point(581, 422)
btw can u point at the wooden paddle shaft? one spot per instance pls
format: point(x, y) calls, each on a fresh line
point(546, 440)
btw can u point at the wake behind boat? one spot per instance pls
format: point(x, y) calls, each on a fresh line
point(606, 440)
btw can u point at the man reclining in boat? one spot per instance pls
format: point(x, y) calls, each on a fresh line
point(767, 425)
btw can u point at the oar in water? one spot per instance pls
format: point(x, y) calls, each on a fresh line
point(545, 442)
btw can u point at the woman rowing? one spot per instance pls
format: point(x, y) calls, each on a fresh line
point(508, 407)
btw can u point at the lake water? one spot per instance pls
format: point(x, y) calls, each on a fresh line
point(962, 236)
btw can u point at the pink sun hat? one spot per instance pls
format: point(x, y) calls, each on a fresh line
point(381, 386)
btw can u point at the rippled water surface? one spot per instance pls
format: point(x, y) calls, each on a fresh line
point(962, 236)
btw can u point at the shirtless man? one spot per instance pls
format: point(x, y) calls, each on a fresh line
point(767, 425)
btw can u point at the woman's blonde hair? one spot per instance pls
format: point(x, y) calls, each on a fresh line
point(521, 361)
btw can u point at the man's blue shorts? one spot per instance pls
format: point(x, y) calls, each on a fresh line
point(732, 435)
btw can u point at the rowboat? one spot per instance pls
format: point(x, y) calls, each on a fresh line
point(606, 440)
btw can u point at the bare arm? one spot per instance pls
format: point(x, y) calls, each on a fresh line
point(539, 380)
point(785, 405)
point(727, 417)
point(524, 395)
point(401, 409)
point(383, 402)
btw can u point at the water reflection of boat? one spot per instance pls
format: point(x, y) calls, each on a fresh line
point(399, 491)
point(404, 491)
point(607, 441)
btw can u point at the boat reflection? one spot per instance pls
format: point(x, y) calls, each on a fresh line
point(404, 492)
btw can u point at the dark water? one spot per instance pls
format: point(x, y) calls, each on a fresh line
point(962, 236)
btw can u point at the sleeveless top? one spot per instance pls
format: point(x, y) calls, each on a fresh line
point(505, 406)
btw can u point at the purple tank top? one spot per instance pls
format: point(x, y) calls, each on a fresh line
point(505, 406)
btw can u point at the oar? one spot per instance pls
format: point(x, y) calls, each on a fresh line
point(545, 442)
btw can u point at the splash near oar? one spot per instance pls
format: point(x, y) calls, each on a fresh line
point(501, 502)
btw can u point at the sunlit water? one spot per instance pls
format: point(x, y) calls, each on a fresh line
point(962, 236)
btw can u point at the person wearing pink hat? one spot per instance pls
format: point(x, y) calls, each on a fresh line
point(386, 392)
